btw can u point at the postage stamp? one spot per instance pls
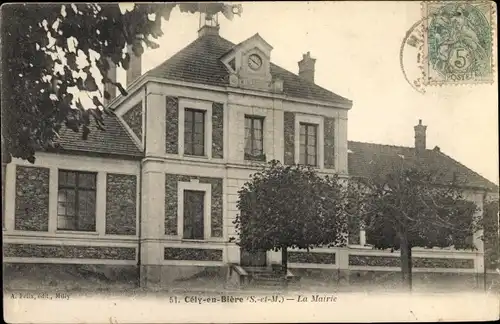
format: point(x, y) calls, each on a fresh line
point(458, 42)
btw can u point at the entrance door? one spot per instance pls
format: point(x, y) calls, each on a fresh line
point(253, 258)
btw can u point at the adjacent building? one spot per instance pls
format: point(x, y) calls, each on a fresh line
point(156, 193)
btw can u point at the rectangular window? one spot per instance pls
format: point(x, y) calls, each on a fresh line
point(308, 144)
point(194, 132)
point(194, 210)
point(76, 201)
point(254, 142)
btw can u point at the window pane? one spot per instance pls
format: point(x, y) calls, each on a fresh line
point(302, 139)
point(61, 209)
point(66, 223)
point(302, 129)
point(257, 123)
point(62, 196)
point(188, 115)
point(86, 180)
point(258, 145)
point(71, 179)
point(62, 178)
point(61, 202)
point(193, 214)
point(198, 149)
point(302, 158)
point(311, 160)
point(248, 139)
point(70, 196)
point(86, 210)
point(302, 149)
point(70, 210)
point(198, 117)
point(248, 122)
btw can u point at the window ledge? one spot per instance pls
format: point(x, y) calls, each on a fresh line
point(207, 241)
point(357, 246)
point(76, 232)
point(195, 157)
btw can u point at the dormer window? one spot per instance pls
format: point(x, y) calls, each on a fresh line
point(232, 64)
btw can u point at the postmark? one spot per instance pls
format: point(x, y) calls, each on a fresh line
point(457, 42)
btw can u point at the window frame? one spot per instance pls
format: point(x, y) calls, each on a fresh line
point(308, 126)
point(77, 189)
point(194, 231)
point(194, 112)
point(194, 185)
point(197, 104)
point(320, 145)
point(250, 155)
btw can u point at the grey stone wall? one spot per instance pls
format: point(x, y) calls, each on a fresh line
point(121, 204)
point(32, 199)
point(171, 181)
point(133, 117)
point(193, 254)
point(329, 146)
point(311, 257)
point(289, 136)
point(217, 130)
point(68, 251)
point(386, 261)
point(171, 125)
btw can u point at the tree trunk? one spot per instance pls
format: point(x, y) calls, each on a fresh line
point(284, 263)
point(406, 263)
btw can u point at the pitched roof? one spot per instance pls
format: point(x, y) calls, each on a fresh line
point(366, 159)
point(114, 141)
point(199, 62)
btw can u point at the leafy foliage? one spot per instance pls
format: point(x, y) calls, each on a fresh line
point(491, 235)
point(41, 45)
point(408, 207)
point(291, 206)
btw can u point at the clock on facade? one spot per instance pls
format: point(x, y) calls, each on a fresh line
point(254, 62)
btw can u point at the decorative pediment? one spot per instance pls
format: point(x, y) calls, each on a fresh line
point(249, 64)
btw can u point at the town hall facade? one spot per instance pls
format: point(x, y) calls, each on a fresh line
point(157, 191)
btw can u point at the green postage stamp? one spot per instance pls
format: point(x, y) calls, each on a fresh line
point(458, 42)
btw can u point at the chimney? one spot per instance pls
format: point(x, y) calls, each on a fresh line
point(420, 137)
point(209, 25)
point(208, 30)
point(111, 89)
point(135, 66)
point(306, 67)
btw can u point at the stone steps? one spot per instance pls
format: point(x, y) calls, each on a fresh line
point(266, 278)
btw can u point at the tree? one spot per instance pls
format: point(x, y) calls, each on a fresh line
point(408, 207)
point(491, 235)
point(42, 45)
point(285, 207)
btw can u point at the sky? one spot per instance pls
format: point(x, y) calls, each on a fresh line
point(357, 46)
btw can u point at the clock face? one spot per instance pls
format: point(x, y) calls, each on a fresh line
point(254, 62)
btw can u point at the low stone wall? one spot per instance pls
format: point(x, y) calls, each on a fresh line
point(69, 277)
point(184, 277)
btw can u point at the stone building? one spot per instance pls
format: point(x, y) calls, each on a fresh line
point(154, 196)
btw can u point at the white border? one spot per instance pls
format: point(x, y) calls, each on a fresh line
point(185, 103)
point(207, 208)
point(316, 120)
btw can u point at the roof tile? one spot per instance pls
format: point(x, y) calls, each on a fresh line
point(367, 159)
point(114, 140)
point(199, 62)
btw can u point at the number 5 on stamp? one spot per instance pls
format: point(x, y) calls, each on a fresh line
point(458, 42)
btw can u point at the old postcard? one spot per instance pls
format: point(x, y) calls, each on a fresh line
point(250, 162)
